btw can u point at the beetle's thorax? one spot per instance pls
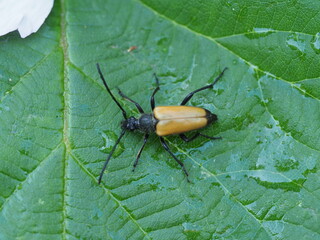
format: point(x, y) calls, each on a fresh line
point(146, 123)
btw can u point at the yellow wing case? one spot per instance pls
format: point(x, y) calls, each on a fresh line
point(179, 119)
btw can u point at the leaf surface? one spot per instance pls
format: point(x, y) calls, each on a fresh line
point(58, 123)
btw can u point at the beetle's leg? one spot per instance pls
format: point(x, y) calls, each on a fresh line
point(140, 151)
point(154, 92)
point(165, 146)
point(190, 95)
point(187, 139)
point(130, 100)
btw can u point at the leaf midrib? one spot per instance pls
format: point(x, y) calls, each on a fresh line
point(66, 119)
point(64, 46)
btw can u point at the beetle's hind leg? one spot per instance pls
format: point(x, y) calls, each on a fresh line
point(130, 100)
point(190, 95)
point(165, 146)
point(154, 92)
point(140, 151)
point(189, 139)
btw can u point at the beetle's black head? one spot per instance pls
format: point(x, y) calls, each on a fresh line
point(211, 117)
point(130, 124)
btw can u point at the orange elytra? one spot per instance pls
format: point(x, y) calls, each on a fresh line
point(181, 119)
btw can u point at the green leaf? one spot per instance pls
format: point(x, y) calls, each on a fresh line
point(58, 123)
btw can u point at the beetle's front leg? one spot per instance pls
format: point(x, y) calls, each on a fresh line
point(140, 151)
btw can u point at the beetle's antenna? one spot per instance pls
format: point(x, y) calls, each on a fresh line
point(108, 89)
point(110, 155)
point(220, 75)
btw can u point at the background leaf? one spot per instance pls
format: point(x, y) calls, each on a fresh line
point(261, 181)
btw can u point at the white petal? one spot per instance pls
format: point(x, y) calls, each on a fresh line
point(25, 15)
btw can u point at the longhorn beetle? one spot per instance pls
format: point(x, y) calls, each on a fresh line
point(164, 120)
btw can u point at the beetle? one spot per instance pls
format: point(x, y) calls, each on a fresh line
point(164, 121)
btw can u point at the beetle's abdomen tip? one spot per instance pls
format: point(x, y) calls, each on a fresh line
point(211, 117)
